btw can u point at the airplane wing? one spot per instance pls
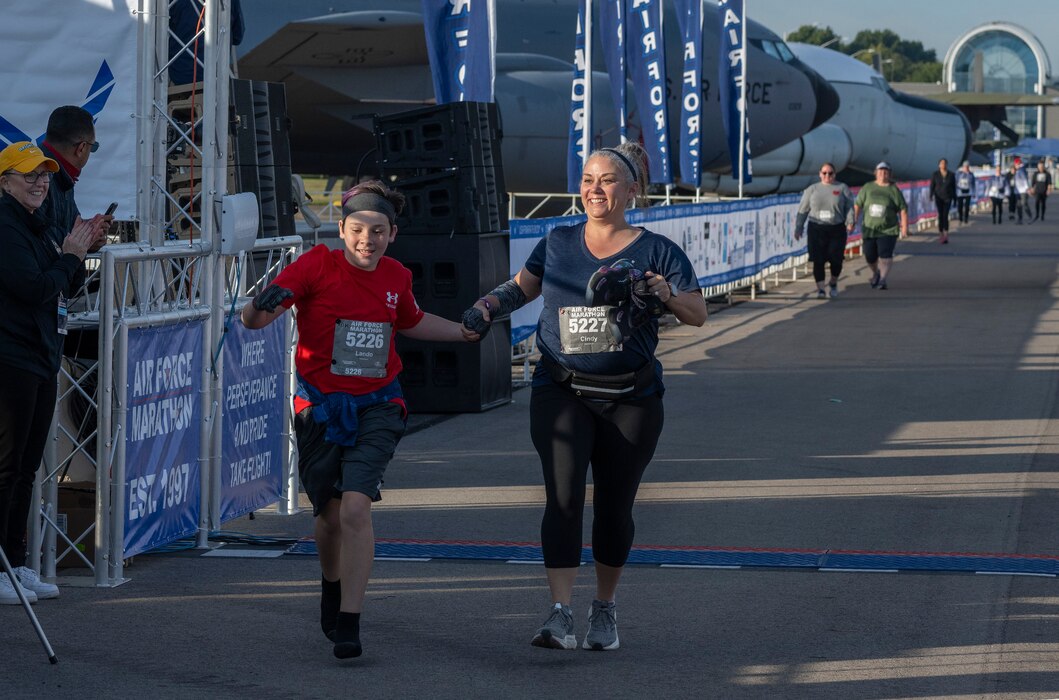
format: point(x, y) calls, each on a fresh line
point(992, 99)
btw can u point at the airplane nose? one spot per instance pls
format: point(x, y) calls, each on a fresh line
point(827, 101)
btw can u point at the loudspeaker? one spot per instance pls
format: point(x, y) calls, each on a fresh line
point(450, 273)
point(457, 377)
point(243, 126)
point(458, 134)
point(467, 200)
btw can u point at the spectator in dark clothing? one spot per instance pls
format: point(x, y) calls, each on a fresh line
point(36, 274)
point(943, 192)
point(69, 141)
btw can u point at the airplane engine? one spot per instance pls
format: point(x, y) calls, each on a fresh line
point(826, 143)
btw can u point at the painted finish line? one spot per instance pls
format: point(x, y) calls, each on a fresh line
point(726, 558)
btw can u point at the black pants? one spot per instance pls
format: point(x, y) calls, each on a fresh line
point(618, 439)
point(998, 209)
point(943, 206)
point(27, 404)
point(827, 244)
point(1015, 205)
point(1040, 204)
point(963, 208)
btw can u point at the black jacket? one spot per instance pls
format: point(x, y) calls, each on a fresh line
point(60, 209)
point(943, 186)
point(33, 272)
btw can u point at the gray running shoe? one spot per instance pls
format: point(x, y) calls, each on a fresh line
point(834, 292)
point(602, 627)
point(558, 630)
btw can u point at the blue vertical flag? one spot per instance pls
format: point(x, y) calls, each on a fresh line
point(689, 14)
point(461, 42)
point(647, 68)
point(612, 37)
point(730, 64)
point(577, 145)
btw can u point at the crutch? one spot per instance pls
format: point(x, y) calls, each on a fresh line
point(29, 611)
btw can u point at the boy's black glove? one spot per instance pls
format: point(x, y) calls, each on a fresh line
point(271, 297)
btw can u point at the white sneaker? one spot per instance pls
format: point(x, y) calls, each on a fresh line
point(30, 579)
point(8, 596)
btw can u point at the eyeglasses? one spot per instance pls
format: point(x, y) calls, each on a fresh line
point(827, 172)
point(30, 178)
point(94, 144)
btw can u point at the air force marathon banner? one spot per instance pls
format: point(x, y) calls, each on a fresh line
point(163, 436)
point(730, 68)
point(461, 42)
point(254, 412)
point(578, 92)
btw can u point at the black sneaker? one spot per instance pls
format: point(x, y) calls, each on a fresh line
point(874, 280)
point(821, 294)
point(882, 285)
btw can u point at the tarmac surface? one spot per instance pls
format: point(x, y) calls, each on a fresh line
point(922, 418)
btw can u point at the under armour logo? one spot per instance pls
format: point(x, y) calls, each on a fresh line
point(391, 297)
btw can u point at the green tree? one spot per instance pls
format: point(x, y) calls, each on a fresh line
point(902, 61)
point(818, 36)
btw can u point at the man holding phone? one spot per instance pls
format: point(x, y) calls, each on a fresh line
point(70, 141)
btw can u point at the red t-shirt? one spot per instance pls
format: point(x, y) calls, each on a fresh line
point(328, 289)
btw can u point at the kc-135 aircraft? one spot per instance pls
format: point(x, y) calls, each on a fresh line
point(345, 61)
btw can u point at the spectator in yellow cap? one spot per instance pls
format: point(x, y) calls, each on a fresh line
point(36, 276)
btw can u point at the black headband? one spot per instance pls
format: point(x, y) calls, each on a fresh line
point(628, 163)
point(369, 201)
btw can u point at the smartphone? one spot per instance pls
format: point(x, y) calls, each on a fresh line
point(111, 208)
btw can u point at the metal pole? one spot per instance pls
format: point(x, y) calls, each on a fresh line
point(742, 102)
point(116, 567)
point(105, 436)
point(29, 611)
point(586, 127)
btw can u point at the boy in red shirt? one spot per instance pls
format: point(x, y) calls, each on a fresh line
point(349, 410)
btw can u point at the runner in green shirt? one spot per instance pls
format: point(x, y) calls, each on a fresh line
point(885, 218)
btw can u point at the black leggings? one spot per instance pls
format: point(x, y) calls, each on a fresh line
point(827, 244)
point(963, 208)
point(1040, 204)
point(27, 404)
point(998, 209)
point(943, 206)
point(618, 438)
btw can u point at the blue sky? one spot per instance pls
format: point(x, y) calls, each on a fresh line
point(935, 23)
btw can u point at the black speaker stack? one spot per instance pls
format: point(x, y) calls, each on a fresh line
point(259, 158)
point(452, 236)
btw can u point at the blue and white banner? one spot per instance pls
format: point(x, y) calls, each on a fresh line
point(612, 39)
point(461, 41)
point(83, 53)
point(163, 435)
point(254, 412)
point(730, 62)
point(689, 14)
point(575, 157)
point(647, 69)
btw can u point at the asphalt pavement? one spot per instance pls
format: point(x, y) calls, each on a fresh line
point(919, 419)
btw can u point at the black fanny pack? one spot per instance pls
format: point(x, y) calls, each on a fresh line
point(609, 387)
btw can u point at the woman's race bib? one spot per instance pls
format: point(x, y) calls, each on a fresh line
point(825, 215)
point(586, 329)
point(877, 211)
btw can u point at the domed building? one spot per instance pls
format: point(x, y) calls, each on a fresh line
point(1001, 58)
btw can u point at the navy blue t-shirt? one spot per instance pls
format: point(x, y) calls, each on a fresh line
point(564, 264)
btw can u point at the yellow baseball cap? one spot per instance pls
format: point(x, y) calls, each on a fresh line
point(24, 157)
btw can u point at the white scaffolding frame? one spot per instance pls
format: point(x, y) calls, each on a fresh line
point(159, 282)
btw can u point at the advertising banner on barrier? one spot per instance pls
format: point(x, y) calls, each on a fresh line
point(163, 437)
point(646, 57)
point(576, 145)
point(254, 410)
point(82, 53)
point(461, 42)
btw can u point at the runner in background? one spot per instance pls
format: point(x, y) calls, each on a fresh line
point(965, 184)
point(885, 218)
point(828, 206)
point(1042, 187)
point(998, 193)
point(943, 191)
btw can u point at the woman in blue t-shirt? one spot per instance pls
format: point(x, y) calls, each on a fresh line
point(597, 390)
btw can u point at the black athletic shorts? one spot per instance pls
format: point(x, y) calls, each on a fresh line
point(881, 247)
point(327, 469)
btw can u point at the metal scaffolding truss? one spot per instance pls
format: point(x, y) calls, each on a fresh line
point(157, 281)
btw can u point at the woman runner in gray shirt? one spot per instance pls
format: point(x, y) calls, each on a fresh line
point(828, 205)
